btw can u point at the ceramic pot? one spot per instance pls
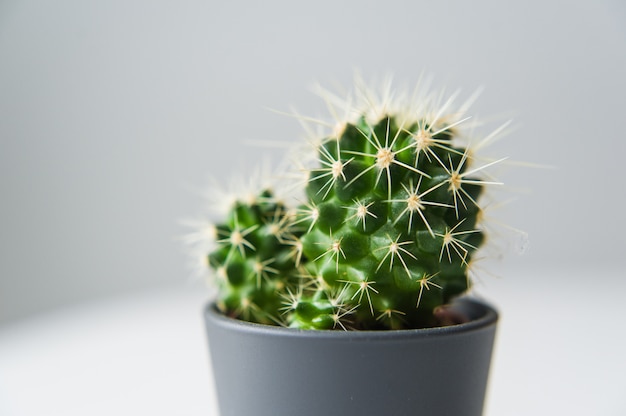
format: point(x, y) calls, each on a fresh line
point(274, 371)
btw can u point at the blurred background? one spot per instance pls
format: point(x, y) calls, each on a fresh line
point(114, 115)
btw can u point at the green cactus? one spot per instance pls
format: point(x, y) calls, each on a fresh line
point(255, 260)
point(385, 238)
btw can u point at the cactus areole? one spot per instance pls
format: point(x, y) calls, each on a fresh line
point(384, 237)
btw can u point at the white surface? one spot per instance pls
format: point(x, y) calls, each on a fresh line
point(559, 351)
point(561, 343)
point(142, 355)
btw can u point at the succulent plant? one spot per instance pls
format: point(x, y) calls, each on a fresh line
point(383, 240)
point(256, 259)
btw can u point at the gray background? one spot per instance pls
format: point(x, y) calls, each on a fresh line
point(111, 113)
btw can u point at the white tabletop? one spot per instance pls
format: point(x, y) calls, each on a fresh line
point(560, 350)
point(139, 355)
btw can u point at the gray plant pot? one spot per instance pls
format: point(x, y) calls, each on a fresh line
point(273, 371)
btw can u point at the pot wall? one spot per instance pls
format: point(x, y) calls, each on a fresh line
point(272, 371)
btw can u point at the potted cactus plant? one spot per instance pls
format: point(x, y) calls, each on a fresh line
point(349, 301)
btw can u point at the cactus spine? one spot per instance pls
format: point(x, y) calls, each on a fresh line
point(385, 237)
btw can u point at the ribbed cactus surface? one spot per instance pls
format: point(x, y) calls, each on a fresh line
point(255, 260)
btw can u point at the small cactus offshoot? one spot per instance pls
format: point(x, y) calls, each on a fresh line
point(390, 223)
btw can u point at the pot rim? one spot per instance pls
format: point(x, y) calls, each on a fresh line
point(481, 316)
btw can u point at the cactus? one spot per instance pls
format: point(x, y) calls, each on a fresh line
point(384, 239)
point(256, 258)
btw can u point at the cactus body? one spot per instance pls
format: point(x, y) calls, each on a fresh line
point(385, 237)
point(255, 259)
